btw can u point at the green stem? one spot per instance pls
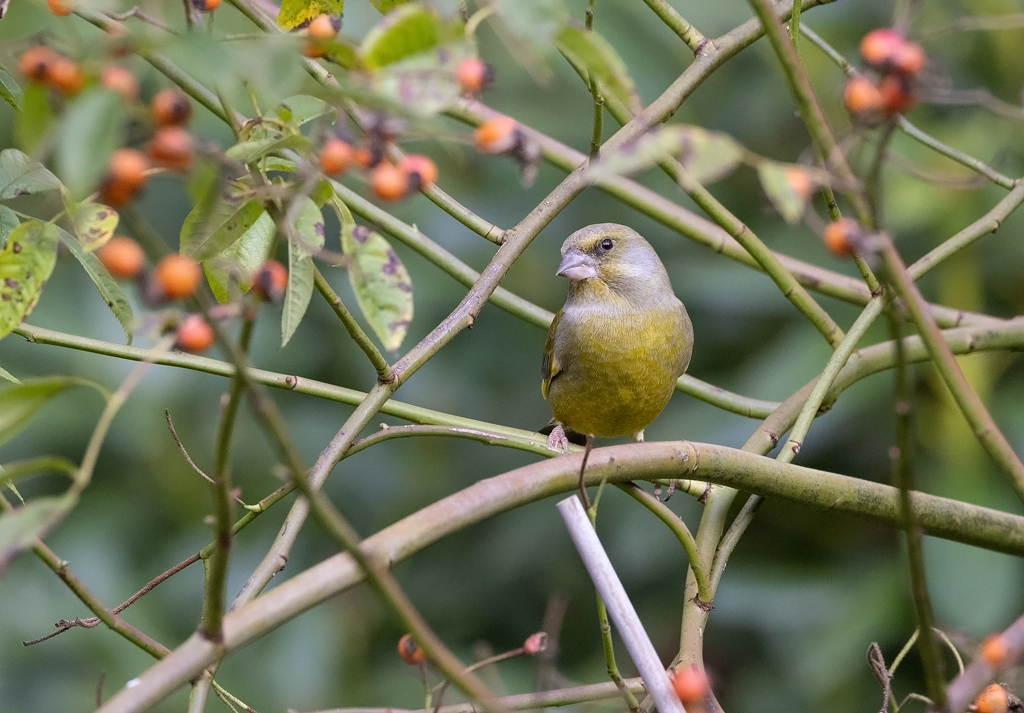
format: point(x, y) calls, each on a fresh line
point(675, 22)
point(352, 326)
point(903, 479)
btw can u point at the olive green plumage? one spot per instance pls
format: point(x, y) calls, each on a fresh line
point(616, 348)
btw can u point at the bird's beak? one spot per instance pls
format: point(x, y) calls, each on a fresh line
point(577, 266)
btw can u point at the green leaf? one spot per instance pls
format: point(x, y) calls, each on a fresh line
point(20, 402)
point(404, 31)
point(537, 21)
point(9, 88)
point(706, 156)
point(226, 224)
point(240, 260)
point(21, 527)
point(302, 108)
point(8, 222)
point(295, 12)
point(4, 374)
point(426, 83)
point(254, 149)
point(94, 224)
point(309, 229)
point(108, 287)
point(589, 49)
point(386, 6)
point(89, 133)
point(25, 264)
point(381, 283)
point(35, 119)
point(21, 175)
point(788, 186)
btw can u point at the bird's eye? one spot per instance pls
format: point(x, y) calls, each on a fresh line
point(607, 244)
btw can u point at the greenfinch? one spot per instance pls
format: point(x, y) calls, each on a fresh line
point(617, 346)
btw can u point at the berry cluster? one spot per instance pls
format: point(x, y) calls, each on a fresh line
point(891, 87)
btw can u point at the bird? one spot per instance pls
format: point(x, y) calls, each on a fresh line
point(616, 348)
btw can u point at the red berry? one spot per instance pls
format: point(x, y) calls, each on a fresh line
point(35, 63)
point(410, 651)
point(898, 95)
point(497, 135)
point(194, 334)
point(388, 182)
point(323, 27)
point(993, 699)
point(171, 147)
point(841, 236)
point(862, 98)
point(270, 281)
point(420, 169)
point(879, 46)
point(120, 80)
point(61, 8)
point(66, 76)
point(171, 107)
point(474, 75)
point(126, 175)
point(336, 156)
point(995, 649)
point(691, 684)
point(122, 256)
point(178, 276)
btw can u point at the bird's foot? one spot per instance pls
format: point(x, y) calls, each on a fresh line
point(557, 439)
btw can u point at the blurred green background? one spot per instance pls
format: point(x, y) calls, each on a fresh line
point(805, 593)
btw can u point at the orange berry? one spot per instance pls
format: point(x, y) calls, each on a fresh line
point(420, 169)
point(799, 179)
point(336, 154)
point(993, 699)
point(178, 276)
point(841, 236)
point(61, 8)
point(388, 182)
point(691, 684)
point(66, 76)
point(120, 80)
point(194, 334)
point(861, 97)
point(312, 48)
point(474, 75)
point(171, 147)
point(497, 135)
point(122, 256)
point(535, 643)
point(995, 649)
point(323, 27)
point(210, 5)
point(410, 651)
point(898, 95)
point(270, 281)
point(171, 107)
point(128, 167)
point(878, 47)
point(35, 63)
point(909, 59)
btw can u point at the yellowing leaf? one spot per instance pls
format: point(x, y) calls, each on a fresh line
point(94, 224)
point(25, 264)
point(381, 283)
point(295, 12)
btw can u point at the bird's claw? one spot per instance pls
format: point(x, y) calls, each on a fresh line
point(558, 440)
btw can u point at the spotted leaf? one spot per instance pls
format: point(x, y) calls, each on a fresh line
point(381, 283)
point(25, 264)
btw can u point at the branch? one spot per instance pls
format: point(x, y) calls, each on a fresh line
point(940, 517)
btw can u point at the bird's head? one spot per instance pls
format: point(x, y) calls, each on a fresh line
point(615, 256)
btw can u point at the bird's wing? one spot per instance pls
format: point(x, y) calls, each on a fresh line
point(549, 366)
